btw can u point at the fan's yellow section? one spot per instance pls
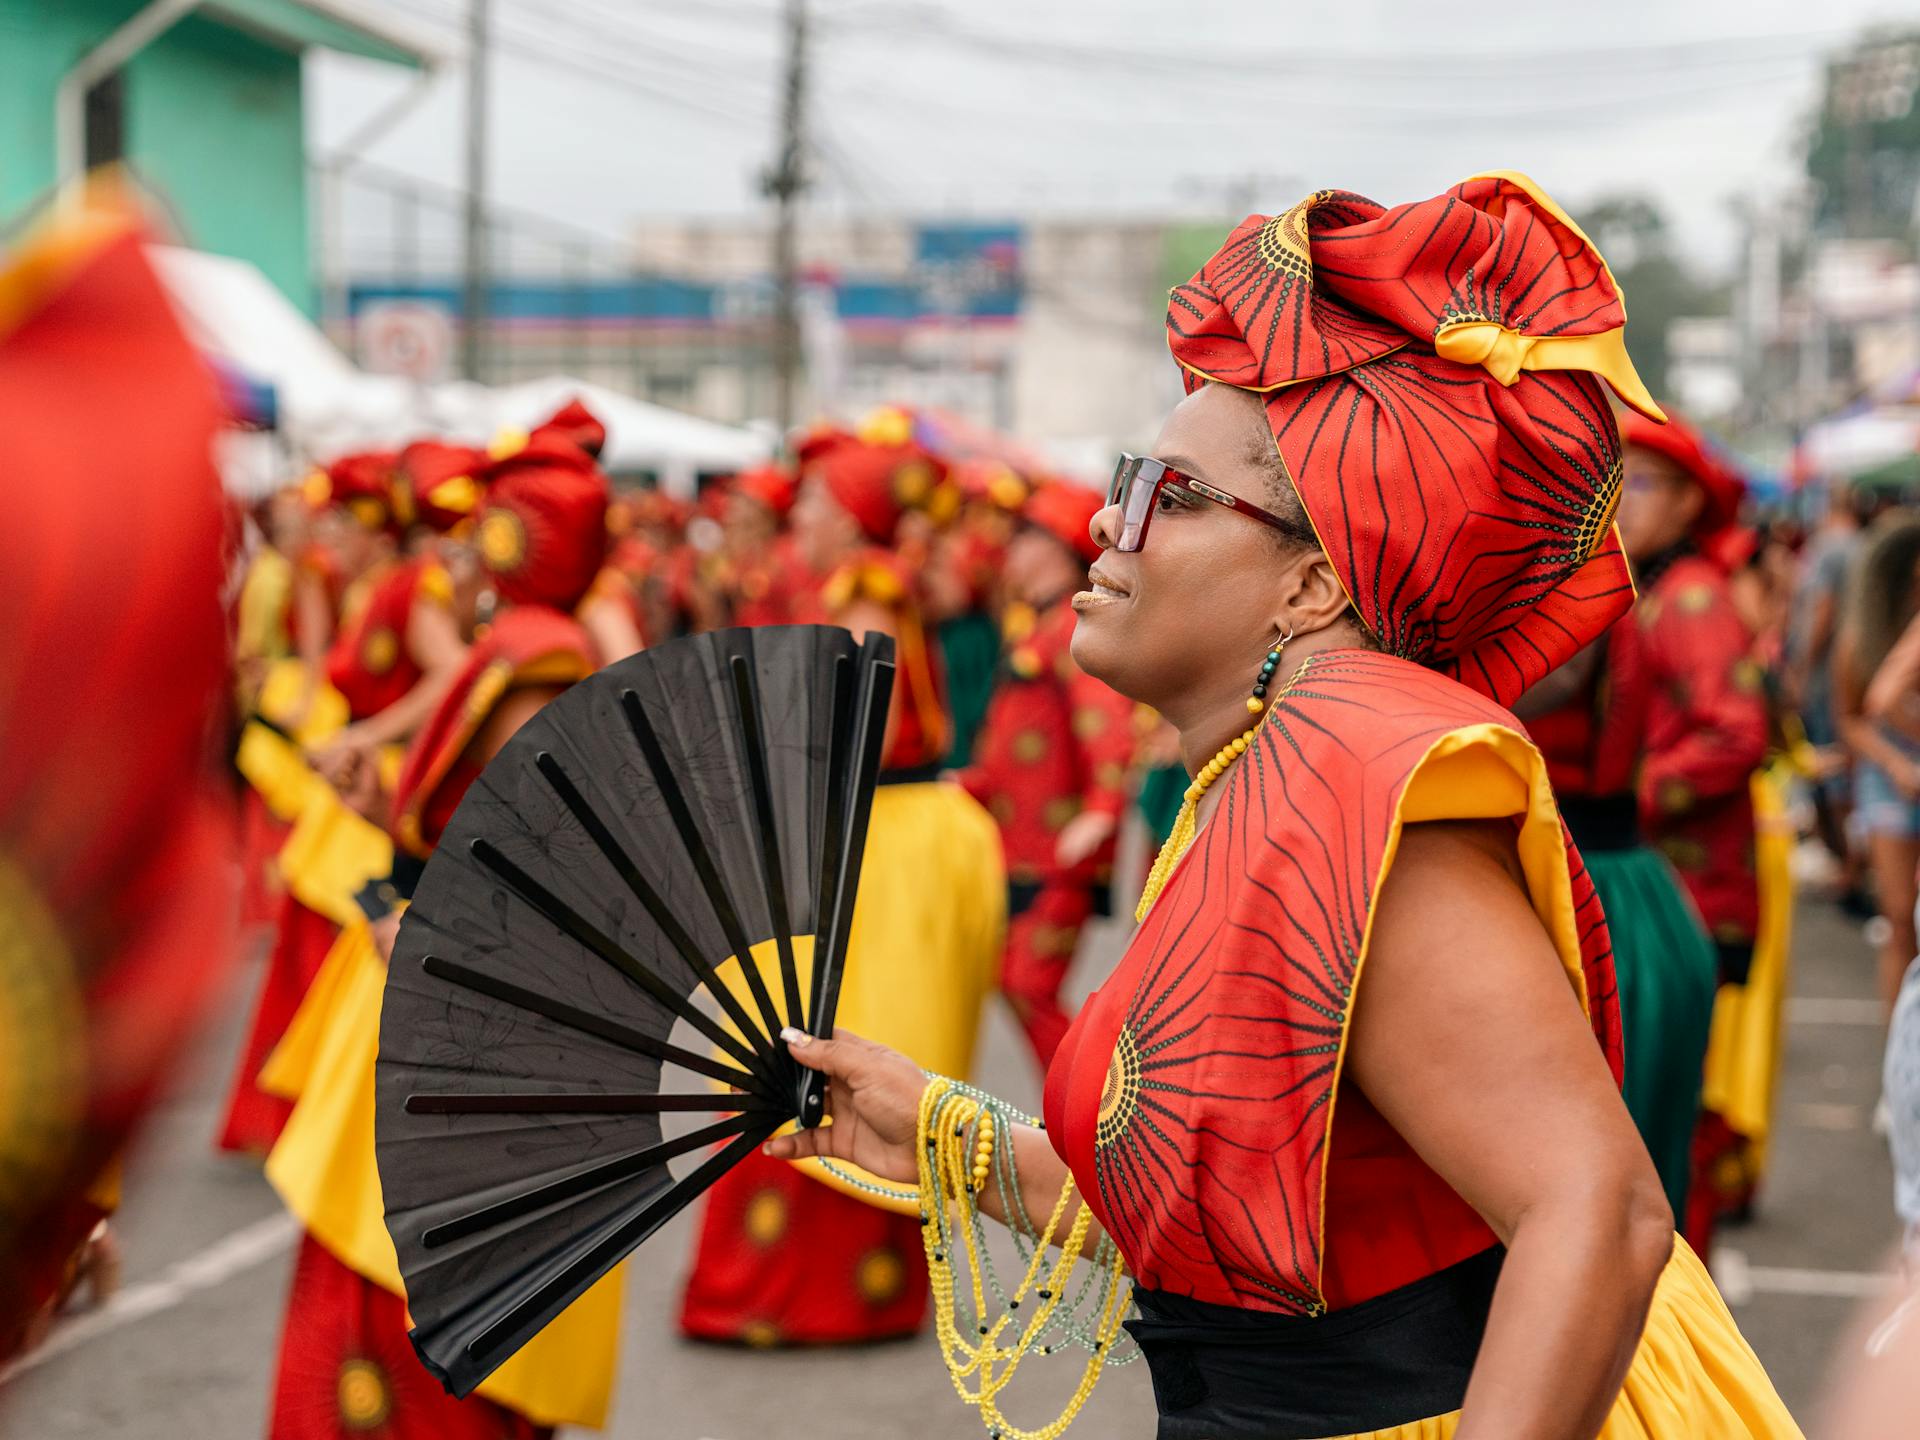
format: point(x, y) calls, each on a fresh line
point(926, 937)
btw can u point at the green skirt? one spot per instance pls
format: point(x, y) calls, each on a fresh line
point(1667, 973)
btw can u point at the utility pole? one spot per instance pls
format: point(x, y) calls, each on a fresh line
point(473, 303)
point(785, 180)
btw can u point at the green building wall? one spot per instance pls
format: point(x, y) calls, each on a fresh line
point(211, 123)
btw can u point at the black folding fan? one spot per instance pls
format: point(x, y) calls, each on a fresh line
point(670, 812)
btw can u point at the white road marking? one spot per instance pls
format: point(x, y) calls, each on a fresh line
point(1740, 1281)
point(179, 1282)
point(1814, 1115)
point(1830, 1010)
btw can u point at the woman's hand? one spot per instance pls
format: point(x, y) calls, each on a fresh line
point(873, 1106)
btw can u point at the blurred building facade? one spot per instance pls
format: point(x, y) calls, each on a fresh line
point(1052, 330)
point(209, 115)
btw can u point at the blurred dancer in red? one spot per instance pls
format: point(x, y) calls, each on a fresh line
point(1705, 726)
point(791, 1257)
point(116, 861)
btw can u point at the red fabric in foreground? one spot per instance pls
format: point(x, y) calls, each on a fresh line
point(785, 1260)
point(348, 1372)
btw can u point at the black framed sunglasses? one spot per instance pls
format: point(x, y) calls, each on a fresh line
point(1137, 483)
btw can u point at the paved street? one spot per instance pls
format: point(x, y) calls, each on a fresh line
point(188, 1348)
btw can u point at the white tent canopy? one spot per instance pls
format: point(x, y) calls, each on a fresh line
point(328, 407)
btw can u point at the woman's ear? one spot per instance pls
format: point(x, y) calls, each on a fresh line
point(1312, 597)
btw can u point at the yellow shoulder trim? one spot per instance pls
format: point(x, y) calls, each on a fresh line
point(1478, 772)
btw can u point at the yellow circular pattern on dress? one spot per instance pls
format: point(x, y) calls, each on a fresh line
point(503, 541)
point(1029, 746)
point(766, 1218)
point(880, 1276)
point(1059, 811)
point(363, 1395)
point(1120, 1095)
point(379, 650)
point(43, 1059)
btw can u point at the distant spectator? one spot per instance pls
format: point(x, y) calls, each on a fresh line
point(1884, 737)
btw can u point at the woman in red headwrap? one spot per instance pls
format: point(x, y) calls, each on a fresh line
point(1053, 763)
point(796, 1255)
point(1348, 1110)
point(1702, 731)
point(346, 1366)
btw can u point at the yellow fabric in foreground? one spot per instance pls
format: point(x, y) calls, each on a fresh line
point(1694, 1376)
point(323, 1168)
point(1743, 1051)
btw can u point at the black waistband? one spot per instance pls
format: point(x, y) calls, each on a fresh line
point(1602, 822)
point(1224, 1373)
point(912, 775)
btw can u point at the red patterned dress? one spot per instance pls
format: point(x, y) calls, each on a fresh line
point(1299, 1269)
point(1057, 743)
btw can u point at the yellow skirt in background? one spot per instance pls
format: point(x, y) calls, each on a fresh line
point(1743, 1053)
point(1694, 1376)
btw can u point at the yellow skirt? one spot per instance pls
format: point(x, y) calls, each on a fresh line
point(323, 1168)
point(1694, 1376)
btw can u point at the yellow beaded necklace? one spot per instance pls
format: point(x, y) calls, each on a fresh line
point(1185, 825)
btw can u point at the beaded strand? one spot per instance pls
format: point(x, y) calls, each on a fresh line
point(953, 1131)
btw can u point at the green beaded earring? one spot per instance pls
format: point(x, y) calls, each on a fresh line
point(1257, 701)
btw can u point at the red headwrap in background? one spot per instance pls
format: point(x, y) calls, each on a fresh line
point(1429, 378)
point(1066, 512)
point(360, 485)
point(542, 534)
point(1687, 447)
point(435, 483)
point(876, 475)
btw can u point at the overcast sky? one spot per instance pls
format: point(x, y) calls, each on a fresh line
point(609, 111)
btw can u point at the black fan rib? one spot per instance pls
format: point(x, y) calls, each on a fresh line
point(585, 1182)
point(746, 694)
point(697, 853)
point(586, 1102)
point(588, 1022)
point(507, 1334)
point(572, 923)
point(615, 854)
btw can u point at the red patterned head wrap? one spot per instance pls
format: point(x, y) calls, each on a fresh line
point(1066, 512)
point(543, 530)
point(1687, 447)
point(436, 484)
point(1429, 375)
